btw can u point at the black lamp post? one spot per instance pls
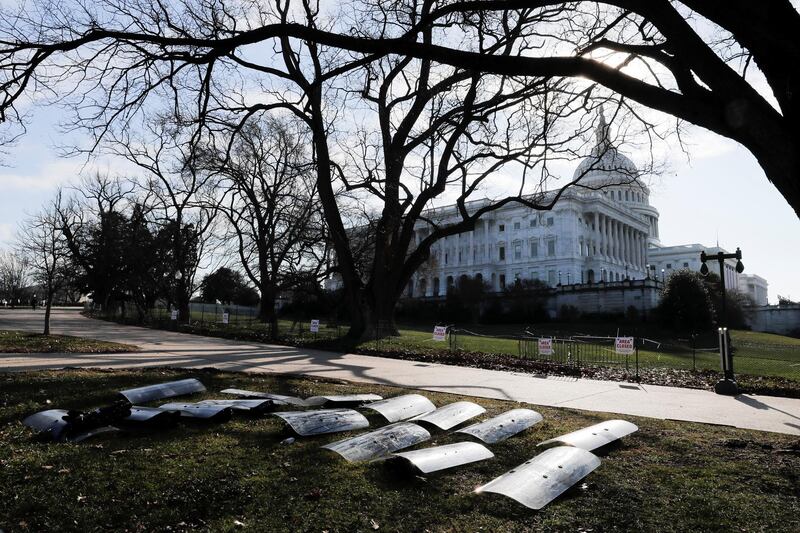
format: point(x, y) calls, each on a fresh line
point(727, 385)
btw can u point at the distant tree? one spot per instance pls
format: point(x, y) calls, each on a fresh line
point(527, 298)
point(179, 199)
point(43, 244)
point(13, 276)
point(469, 294)
point(784, 301)
point(272, 208)
point(228, 287)
point(147, 275)
point(735, 303)
point(686, 304)
point(96, 233)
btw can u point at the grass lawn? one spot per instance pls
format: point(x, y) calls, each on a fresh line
point(759, 354)
point(26, 342)
point(669, 476)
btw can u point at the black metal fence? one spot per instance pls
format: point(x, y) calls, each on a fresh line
point(579, 351)
point(564, 348)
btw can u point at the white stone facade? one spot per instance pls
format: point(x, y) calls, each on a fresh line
point(597, 231)
point(756, 287)
point(664, 260)
point(601, 230)
point(588, 237)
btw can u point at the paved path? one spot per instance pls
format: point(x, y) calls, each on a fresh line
point(190, 351)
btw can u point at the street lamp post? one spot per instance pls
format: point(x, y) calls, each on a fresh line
point(727, 385)
point(663, 277)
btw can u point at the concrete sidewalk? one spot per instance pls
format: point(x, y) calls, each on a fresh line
point(190, 351)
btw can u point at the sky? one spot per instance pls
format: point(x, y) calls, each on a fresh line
point(718, 194)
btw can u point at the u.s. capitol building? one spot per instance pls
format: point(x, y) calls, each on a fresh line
point(599, 244)
point(598, 231)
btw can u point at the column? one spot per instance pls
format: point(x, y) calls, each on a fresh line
point(615, 241)
point(471, 258)
point(487, 251)
point(642, 244)
point(628, 245)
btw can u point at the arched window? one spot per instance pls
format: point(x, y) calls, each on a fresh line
point(436, 285)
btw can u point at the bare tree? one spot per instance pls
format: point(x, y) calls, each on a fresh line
point(44, 247)
point(440, 130)
point(700, 60)
point(13, 276)
point(197, 56)
point(93, 225)
point(178, 197)
point(272, 209)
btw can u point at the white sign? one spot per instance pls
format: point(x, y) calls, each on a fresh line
point(225, 317)
point(439, 333)
point(624, 345)
point(315, 326)
point(174, 315)
point(546, 346)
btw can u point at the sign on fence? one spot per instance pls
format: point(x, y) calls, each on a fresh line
point(225, 317)
point(439, 333)
point(546, 346)
point(315, 326)
point(624, 345)
point(174, 315)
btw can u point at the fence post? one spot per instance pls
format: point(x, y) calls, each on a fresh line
point(626, 357)
point(694, 353)
point(637, 358)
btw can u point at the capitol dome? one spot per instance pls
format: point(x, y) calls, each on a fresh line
point(606, 165)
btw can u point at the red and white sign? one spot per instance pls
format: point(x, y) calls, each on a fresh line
point(546, 346)
point(624, 345)
point(315, 326)
point(439, 333)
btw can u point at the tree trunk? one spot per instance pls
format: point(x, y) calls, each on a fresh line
point(48, 307)
point(372, 314)
point(266, 311)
